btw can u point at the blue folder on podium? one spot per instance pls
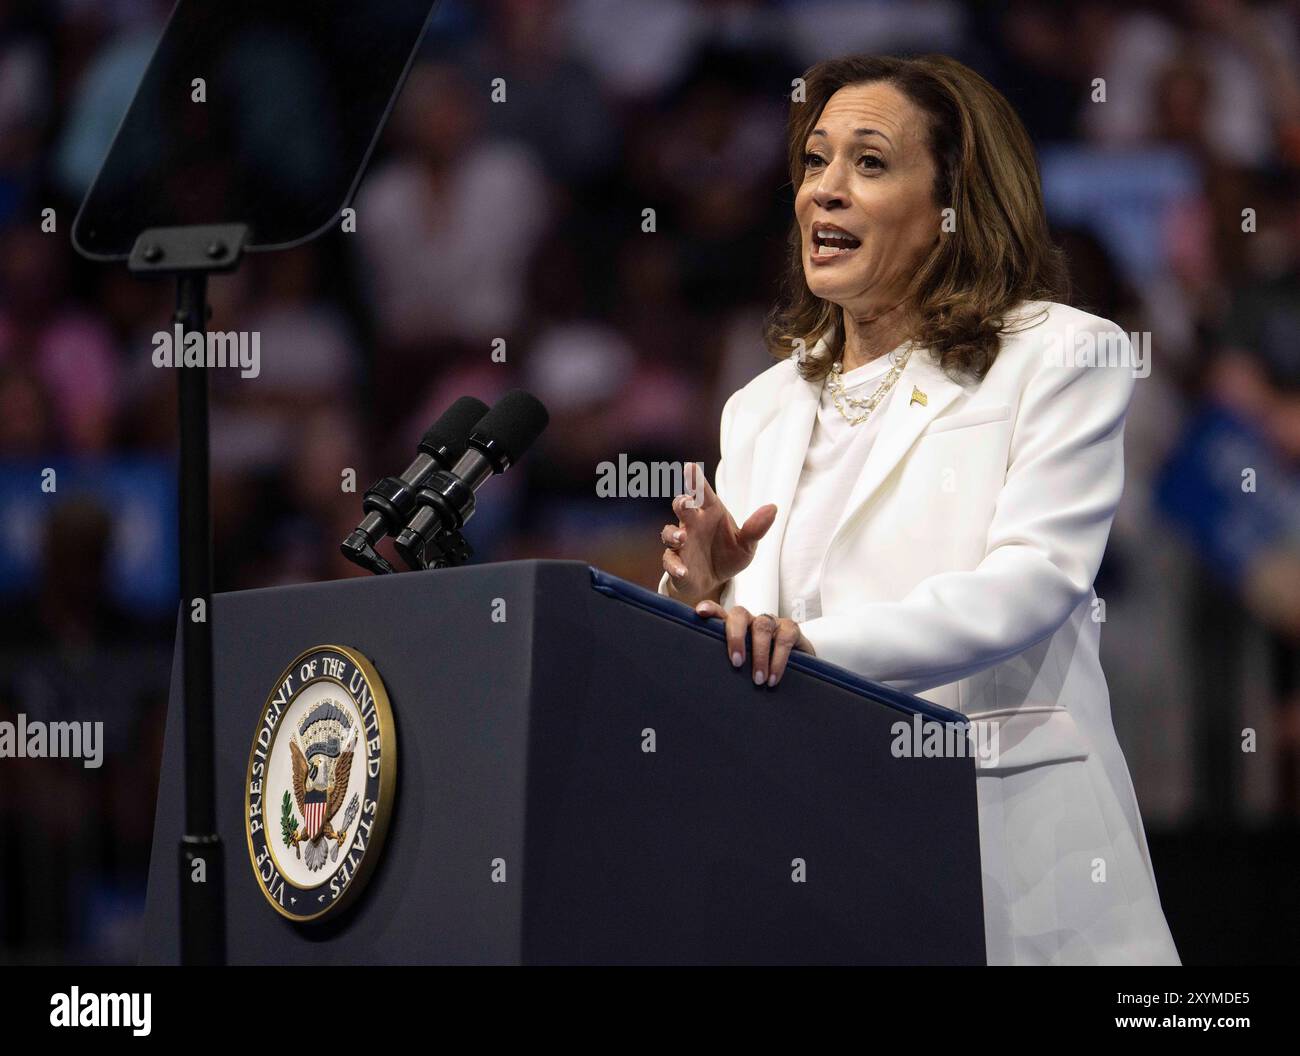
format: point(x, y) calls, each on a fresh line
point(582, 777)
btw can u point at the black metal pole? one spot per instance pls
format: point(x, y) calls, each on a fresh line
point(202, 865)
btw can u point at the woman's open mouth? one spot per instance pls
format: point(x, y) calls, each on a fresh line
point(830, 242)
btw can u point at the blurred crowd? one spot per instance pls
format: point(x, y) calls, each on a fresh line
point(1169, 135)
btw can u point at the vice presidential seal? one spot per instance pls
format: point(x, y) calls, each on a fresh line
point(320, 782)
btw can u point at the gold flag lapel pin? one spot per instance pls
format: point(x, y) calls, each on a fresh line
point(918, 397)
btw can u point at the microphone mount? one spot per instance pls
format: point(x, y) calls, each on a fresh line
point(445, 502)
point(391, 501)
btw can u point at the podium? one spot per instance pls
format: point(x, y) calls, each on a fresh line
point(582, 777)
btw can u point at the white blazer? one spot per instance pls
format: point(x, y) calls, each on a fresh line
point(961, 570)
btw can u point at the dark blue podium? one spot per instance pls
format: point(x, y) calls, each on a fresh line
point(767, 825)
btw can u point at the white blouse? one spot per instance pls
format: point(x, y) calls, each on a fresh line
point(837, 452)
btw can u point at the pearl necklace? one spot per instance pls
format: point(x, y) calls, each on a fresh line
point(862, 408)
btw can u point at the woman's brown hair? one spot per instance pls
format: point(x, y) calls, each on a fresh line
point(999, 253)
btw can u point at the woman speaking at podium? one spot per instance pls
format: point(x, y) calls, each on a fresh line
point(920, 490)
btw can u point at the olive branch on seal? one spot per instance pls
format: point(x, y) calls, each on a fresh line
point(288, 822)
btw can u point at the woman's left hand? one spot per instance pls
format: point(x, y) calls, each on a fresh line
point(773, 639)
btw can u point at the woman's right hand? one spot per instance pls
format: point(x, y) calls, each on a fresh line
point(706, 547)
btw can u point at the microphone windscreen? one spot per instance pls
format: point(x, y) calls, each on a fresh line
point(449, 435)
point(512, 425)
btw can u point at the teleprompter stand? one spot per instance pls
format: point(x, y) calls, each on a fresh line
point(231, 146)
point(190, 255)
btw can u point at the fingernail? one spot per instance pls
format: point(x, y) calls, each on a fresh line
point(758, 678)
point(677, 538)
point(771, 681)
point(737, 659)
point(701, 608)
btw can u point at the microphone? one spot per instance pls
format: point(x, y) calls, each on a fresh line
point(391, 501)
point(432, 537)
